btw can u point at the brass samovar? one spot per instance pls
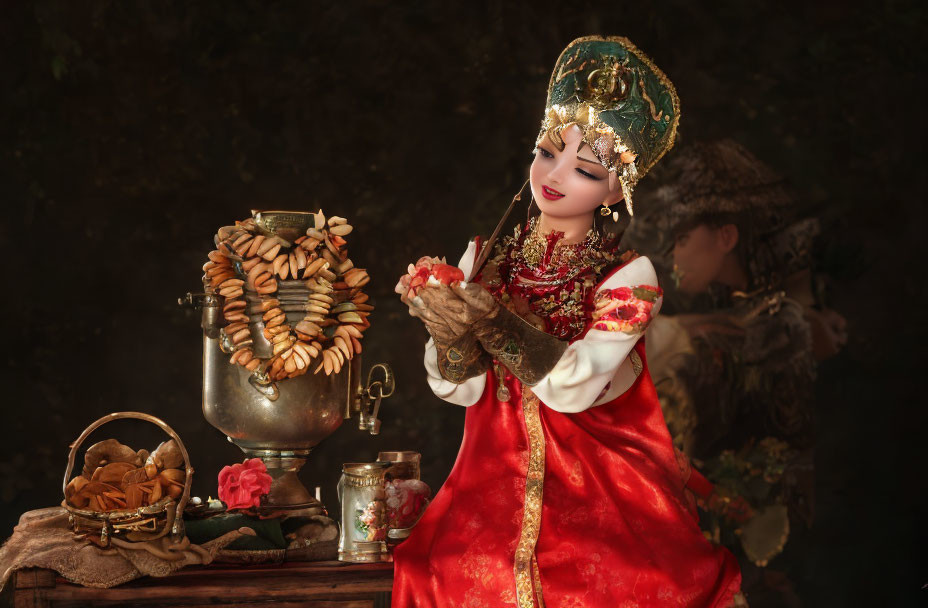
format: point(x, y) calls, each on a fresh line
point(280, 422)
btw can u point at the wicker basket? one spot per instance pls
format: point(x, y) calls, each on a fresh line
point(136, 525)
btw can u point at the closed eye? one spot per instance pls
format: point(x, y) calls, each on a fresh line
point(587, 174)
point(544, 152)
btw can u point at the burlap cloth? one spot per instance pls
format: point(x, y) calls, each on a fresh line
point(42, 539)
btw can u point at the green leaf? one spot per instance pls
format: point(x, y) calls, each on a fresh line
point(644, 293)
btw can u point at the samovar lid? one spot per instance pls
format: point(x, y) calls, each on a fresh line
point(288, 225)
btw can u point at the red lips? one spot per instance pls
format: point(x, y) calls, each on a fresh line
point(550, 193)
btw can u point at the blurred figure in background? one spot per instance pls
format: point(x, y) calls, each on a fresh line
point(734, 360)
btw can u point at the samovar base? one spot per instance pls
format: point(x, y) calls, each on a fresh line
point(288, 495)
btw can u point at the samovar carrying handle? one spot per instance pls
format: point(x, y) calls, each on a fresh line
point(211, 306)
point(374, 391)
point(387, 385)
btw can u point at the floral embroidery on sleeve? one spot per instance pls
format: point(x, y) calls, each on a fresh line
point(626, 309)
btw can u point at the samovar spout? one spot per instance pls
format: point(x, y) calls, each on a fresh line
point(264, 385)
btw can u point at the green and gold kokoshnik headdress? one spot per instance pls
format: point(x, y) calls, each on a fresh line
point(627, 109)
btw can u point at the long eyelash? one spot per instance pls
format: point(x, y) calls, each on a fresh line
point(589, 175)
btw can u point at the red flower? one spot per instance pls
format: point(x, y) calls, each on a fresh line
point(242, 485)
point(424, 268)
point(418, 275)
point(418, 279)
point(622, 293)
point(447, 273)
point(626, 312)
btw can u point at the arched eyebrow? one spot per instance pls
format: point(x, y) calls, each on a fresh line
point(595, 162)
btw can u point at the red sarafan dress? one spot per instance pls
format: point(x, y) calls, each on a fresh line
point(569, 493)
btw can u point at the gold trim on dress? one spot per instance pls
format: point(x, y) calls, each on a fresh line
point(637, 365)
point(528, 585)
point(536, 578)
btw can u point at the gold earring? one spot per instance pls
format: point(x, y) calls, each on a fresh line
point(605, 210)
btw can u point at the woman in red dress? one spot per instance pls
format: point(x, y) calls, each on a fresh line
point(566, 491)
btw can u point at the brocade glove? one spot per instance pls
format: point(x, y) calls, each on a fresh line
point(460, 355)
point(528, 352)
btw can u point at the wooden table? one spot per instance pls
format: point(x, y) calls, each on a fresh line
point(304, 584)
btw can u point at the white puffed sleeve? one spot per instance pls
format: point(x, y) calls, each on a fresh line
point(468, 392)
point(597, 368)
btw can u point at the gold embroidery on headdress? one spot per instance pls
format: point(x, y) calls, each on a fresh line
point(606, 80)
point(608, 84)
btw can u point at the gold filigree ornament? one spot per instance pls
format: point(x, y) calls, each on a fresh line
point(577, 256)
point(608, 84)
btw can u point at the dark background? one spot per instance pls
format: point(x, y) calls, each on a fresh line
point(131, 131)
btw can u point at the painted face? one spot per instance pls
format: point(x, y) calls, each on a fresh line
point(698, 257)
point(570, 182)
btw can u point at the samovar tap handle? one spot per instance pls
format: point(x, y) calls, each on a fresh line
point(371, 422)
